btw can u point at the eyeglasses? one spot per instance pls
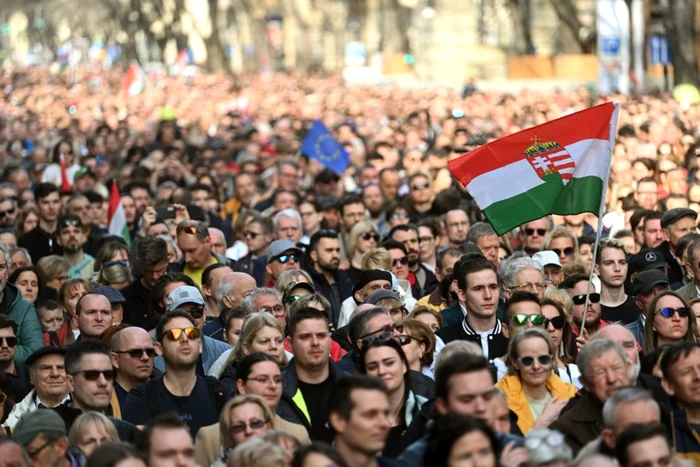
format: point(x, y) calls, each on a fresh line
point(405, 339)
point(284, 258)
point(669, 312)
point(529, 361)
point(539, 286)
point(36, 451)
point(253, 425)
point(196, 312)
point(558, 322)
point(553, 439)
point(9, 211)
point(277, 310)
point(251, 234)
point(581, 299)
point(176, 333)
point(537, 320)
point(94, 375)
point(370, 236)
point(327, 233)
point(403, 260)
point(277, 380)
point(425, 239)
point(420, 186)
point(541, 232)
point(568, 251)
point(399, 215)
point(11, 341)
point(138, 353)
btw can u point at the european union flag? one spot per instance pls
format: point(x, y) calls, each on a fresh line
point(319, 144)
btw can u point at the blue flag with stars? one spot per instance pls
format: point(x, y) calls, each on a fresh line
point(320, 144)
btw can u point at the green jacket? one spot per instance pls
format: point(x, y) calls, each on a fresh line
point(22, 312)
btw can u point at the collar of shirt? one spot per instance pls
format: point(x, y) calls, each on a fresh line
point(468, 329)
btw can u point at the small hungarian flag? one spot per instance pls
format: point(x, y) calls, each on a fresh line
point(560, 167)
point(117, 218)
point(65, 183)
point(134, 82)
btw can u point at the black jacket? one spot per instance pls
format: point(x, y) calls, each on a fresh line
point(19, 385)
point(675, 271)
point(127, 431)
point(498, 343)
point(40, 243)
point(324, 288)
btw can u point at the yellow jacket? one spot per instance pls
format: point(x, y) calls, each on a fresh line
point(517, 402)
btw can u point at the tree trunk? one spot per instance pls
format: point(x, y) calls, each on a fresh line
point(567, 12)
point(680, 27)
point(216, 55)
point(520, 12)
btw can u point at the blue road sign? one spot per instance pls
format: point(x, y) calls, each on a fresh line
point(659, 51)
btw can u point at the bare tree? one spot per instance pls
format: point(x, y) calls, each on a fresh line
point(680, 27)
point(568, 14)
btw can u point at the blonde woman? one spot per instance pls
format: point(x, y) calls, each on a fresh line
point(90, 430)
point(115, 275)
point(53, 271)
point(261, 332)
point(243, 417)
point(363, 237)
point(563, 242)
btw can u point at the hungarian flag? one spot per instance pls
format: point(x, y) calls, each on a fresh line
point(560, 167)
point(117, 218)
point(134, 82)
point(65, 183)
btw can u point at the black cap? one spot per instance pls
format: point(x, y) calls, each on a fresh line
point(297, 285)
point(369, 275)
point(643, 282)
point(470, 247)
point(50, 350)
point(676, 214)
point(646, 259)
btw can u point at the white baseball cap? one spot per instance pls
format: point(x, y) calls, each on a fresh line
point(547, 258)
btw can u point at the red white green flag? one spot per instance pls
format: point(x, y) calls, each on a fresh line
point(117, 218)
point(561, 167)
point(134, 82)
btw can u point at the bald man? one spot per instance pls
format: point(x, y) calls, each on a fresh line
point(218, 241)
point(132, 357)
point(231, 291)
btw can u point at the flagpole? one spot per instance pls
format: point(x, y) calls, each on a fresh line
point(601, 209)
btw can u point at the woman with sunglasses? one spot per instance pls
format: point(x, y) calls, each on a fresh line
point(561, 241)
point(533, 391)
point(243, 417)
point(363, 237)
point(386, 360)
point(261, 332)
point(261, 375)
point(669, 320)
point(418, 345)
point(559, 329)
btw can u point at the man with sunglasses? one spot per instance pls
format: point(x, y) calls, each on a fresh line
point(257, 236)
point(90, 375)
point(8, 212)
point(532, 235)
point(194, 241)
point(615, 305)
point(132, 354)
point(17, 374)
point(577, 286)
point(197, 400)
point(282, 255)
point(329, 281)
point(422, 279)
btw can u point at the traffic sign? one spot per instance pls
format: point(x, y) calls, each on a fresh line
point(659, 50)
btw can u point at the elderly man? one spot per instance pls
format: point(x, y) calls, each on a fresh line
point(690, 290)
point(211, 277)
point(44, 435)
point(604, 371)
point(47, 373)
point(483, 236)
point(532, 234)
point(549, 260)
point(218, 241)
point(675, 223)
point(94, 315)
point(232, 289)
point(288, 225)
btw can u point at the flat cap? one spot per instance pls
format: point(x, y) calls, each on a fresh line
point(676, 214)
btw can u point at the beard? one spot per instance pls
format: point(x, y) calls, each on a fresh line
point(331, 266)
point(72, 249)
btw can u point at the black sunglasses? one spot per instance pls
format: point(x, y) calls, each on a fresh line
point(420, 186)
point(558, 322)
point(137, 353)
point(11, 341)
point(403, 260)
point(197, 312)
point(9, 211)
point(568, 251)
point(252, 235)
point(581, 299)
point(542, 359)
point(94, 375)
point(370, 236)
point(668, 312)
point(540, 232)
point(382, 334)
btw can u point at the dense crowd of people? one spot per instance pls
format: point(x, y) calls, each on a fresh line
point(259, 309)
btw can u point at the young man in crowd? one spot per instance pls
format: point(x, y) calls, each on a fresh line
point(615, 305)
point(43, 240)
point(324, 258)
point(71, 239)
point(153, 259)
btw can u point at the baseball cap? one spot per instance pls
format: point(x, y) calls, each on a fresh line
point(643, 282)
point(113, 295)
point(647, 258)
point(297, 285)
point(547, 258)
point(31, 424)
point(278, 247)
point(183, 295)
